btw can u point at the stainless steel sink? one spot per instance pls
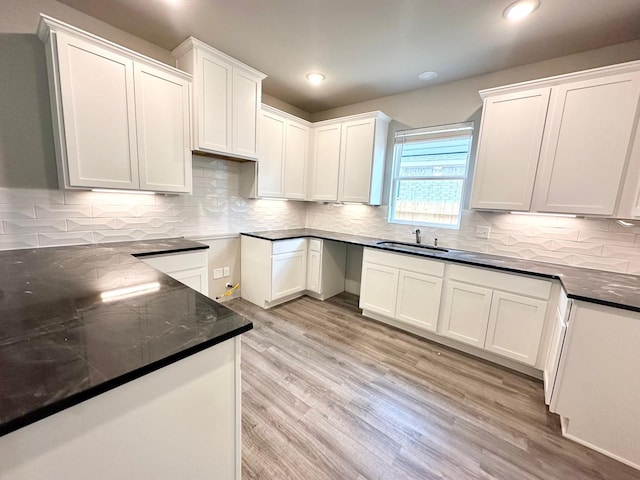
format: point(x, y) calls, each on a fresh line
point(411, 246)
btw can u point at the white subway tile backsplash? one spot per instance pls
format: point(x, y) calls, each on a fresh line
point(65, 238)
point(25, 196)
point(92, 224)
point(63, 211)
point(8, 211)
point(615, 251)
point(600, 263)
point(607, 238)
point(10, 242)
point(111, 211)
point(18, 226)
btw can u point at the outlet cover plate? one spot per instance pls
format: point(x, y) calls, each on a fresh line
point(483, 232)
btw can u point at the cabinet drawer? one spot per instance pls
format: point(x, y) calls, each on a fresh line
point(411, 263)
point(315, 245)
point(287, 246)
point(508, 282)
point(175, 262)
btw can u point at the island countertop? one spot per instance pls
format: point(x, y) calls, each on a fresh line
point(62, 341)
point(596, 286)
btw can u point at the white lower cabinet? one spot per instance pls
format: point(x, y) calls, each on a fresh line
point(499, 313)
point(288, 273)
point(402, 287)
point(189, 268)
point(379, 288)
point(274, 272)
point(466, 312)
point(515, 326)
point(556, 342)
point(418, 299)
point(598, 381)
point(326, 268)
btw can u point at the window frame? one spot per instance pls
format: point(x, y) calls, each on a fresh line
point(435, 132)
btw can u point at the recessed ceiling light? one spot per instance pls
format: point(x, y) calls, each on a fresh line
point(315, 78)
point(520, 9)
point(427, 76)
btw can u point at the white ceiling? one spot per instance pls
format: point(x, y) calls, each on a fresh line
point(371, 48)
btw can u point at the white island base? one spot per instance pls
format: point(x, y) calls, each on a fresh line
point(181, 421)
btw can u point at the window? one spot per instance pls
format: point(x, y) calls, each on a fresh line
point(429, 174)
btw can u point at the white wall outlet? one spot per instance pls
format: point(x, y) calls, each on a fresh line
point(226, 271)
point(483, 232)
point(217, 273)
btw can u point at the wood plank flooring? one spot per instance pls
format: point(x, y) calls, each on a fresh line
point(331, 395)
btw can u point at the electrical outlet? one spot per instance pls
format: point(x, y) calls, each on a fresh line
point(483, 232)
point(217, 273)
point(226, 271)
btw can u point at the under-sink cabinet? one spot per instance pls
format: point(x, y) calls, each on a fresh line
point(120, 120)
point(273, 272)
point(501, 313)
point(402, 287)
point(189, 268)
point(558, 145)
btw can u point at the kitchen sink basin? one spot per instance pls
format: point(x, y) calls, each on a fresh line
point(418, 247)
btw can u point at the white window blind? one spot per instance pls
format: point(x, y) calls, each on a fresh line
point(429, 173)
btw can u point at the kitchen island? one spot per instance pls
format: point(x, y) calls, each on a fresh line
point(112, 369)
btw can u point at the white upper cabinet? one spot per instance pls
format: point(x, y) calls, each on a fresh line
point(348, 159)
point(587, 144)
point(326, 163)
point(284, 148)
point(162, 119)
point(270, 168)
point(120, 119)
point(508, 151)
point(226, 100)
point(559, 145)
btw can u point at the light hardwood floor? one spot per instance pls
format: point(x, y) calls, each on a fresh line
point(329, 394)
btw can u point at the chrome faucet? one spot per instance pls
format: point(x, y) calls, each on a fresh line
point(418, 236)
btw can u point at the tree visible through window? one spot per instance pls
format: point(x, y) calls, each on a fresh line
point(429, 173)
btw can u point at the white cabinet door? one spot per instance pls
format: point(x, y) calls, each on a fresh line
point(586, 145)
point(326, 163)
point(419, 299)
point(356, 158)
point(162, 119)
point(214, 78)
point(247, 94)
point(379, 289)
point(189, 268)
point(288, 274)
point(271, 164)
point(553, 358)
point(515, 326)
point(98, 132)
point(194, 278)
point(466, 312)
point(314, 271)
point(295, 164)
point(509, 149)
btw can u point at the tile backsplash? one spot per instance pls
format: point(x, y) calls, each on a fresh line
point(596, 243)
point(43, 218)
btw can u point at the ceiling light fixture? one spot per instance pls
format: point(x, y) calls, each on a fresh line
point(315, 78)
point(426, 76)
point(520, 9)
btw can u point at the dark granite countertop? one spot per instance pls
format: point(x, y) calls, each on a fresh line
point(61, 343)
point(596, 286)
